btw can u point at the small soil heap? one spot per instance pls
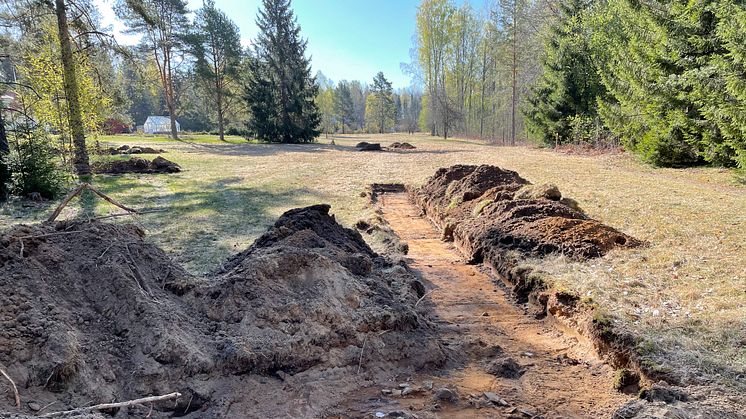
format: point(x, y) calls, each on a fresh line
point(137, 165)
point(93, 313)
point(125, 149)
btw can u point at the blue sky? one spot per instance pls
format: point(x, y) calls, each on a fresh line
point(347, 39)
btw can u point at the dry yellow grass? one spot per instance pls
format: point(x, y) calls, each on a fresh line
point(686, 291)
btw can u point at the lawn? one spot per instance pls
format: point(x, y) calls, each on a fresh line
point(685, 291)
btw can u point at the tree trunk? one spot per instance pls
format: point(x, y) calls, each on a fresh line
point(4, 151)
point(75, 119)
point(514, 99)
point(220, 116)
point(172, 118)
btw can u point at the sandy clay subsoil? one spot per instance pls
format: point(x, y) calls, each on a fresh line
point(505, 363)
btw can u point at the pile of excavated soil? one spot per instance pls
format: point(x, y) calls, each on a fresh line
point(137, 165)
point(364, 146)
point(92, 313)
point(125, 149)
point(487, 210)
point(402, 146)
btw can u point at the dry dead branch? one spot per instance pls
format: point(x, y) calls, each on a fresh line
point(425, 295)
point(362, 351)
point(106, 406)
point(15, 389)
point(75, 192)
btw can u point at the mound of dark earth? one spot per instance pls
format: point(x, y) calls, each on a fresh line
point(136, 165)
point(401, 146)
point(364, 146)
point(92, 313)
point(486, 209)
point(125, 149)
point(497, 217)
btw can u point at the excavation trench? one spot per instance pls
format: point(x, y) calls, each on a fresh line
point(557, 374)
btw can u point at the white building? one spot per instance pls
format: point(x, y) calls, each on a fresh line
point(159, 124)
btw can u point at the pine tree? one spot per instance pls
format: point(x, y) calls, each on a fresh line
point(569, 84)
point(216, 44)
point(281, 95)
point(344, 107)
point(380, 107)
point(163, 25)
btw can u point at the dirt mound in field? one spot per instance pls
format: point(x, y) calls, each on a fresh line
point(402, 146)
point(487, 210)
point(137, 165)
point(125, 149)
point(91, 313)
point(363, 146)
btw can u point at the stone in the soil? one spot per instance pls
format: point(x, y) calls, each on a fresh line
point(427, 385)
point(34, 406)
point(494, 398)
point(408, 390)
point(505, 368)
point(446, 395)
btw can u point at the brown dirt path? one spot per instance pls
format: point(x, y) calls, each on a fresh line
point(562, 378)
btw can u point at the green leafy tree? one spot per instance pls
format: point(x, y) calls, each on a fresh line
point(216, 44)
point(281, 95)
point(434, 21)
point(344, 107)
point(380, 109)
point(569, 85)
point(163, 25)
point(325, 102)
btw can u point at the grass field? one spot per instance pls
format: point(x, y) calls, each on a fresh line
point(685, 292)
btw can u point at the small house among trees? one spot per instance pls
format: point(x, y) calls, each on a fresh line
point(159, 125)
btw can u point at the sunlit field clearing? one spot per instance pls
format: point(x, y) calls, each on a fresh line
point(685, 291)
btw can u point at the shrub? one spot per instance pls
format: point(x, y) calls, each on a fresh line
point(236, 131)
point(32, 164)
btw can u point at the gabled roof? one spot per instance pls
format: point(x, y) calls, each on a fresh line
point(158, 120)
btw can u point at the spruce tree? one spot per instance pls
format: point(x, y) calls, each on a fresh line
point(216, 45)
point(281, 91)
point(569, 85)
point(344, 107)
point(649, 56)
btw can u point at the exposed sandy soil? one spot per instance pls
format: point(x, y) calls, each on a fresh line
point(558, 375)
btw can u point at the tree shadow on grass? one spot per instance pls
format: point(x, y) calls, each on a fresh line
point(261, 150)
point(258, 150)
point(206, 224)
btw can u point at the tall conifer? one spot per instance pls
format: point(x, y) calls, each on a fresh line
point(281, 90)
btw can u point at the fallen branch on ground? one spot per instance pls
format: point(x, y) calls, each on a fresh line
point(15, 389)
point(77, 191)
point(362, 350)
point(423, 297)
point(106, 406)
